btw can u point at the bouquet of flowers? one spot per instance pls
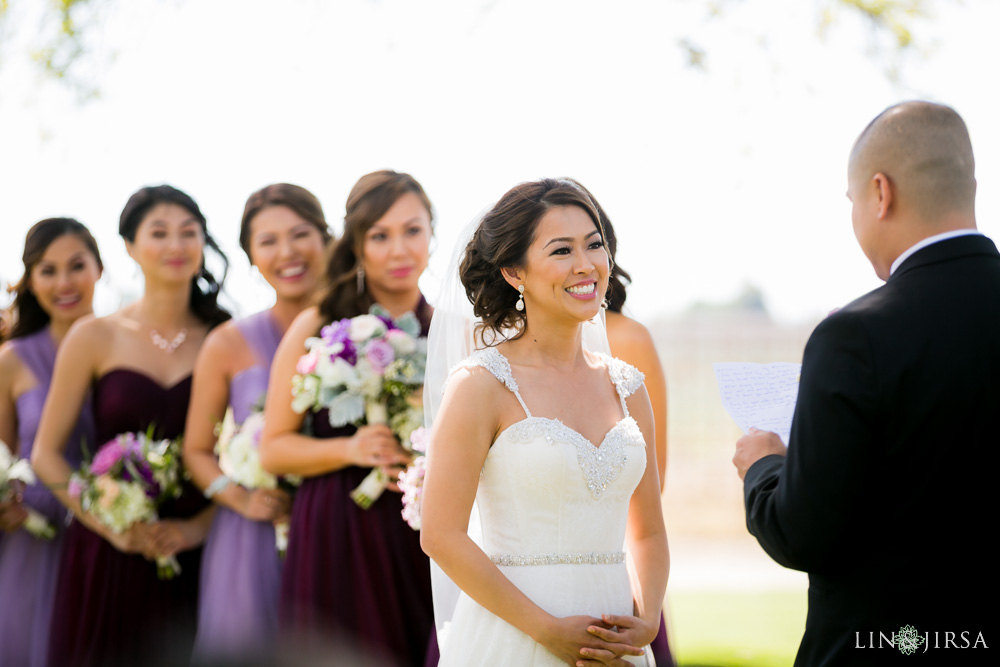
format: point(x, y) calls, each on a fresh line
point(411, 481)
point(365, 370)
point(239, 458)
point(128, 478)
point(12, 469)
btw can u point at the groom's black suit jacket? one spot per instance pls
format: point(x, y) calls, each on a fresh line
point(888, 495)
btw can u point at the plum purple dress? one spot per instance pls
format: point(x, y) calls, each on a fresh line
point(240, 567)
point(29, 565)
point(355, 577)
point(110, 607)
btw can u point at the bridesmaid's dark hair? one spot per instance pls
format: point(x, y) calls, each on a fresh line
point(302, 202)
point(29, 316)
point(619, 279)
point(204, 302)
point(370, 198)
point(502, 240)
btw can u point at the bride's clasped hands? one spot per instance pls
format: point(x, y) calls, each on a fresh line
point(585, 641)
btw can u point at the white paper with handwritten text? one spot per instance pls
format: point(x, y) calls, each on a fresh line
point(760, 395)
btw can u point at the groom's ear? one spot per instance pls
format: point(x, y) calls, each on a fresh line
point(884, 194)
point(513, 275)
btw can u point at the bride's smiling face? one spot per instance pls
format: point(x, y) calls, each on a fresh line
point(566, 266)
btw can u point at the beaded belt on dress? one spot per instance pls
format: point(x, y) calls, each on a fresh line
point(560, 559)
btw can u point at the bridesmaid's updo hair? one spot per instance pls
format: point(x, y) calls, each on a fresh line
point(619, 279)
point(29, 316)
point(204, 302)
point(370, 199)
point(302, 202)
point(502, 240)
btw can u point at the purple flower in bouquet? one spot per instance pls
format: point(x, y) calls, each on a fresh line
point(336, 332)
point(387, 321)
point(125, 482)
point(126, 450)
point(337, 339)
point(379, 354)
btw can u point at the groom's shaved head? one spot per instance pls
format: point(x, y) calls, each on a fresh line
point(925, 151)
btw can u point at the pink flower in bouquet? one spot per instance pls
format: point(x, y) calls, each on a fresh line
point(418, 440)
point(379, 354)
point(411, 483)
point(107, 457)
point(402, 342)
point(307, 362)
point(75, 487)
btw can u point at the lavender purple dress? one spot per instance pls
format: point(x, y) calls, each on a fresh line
point(29, 565)
point(110, 607)
point(240, 568)
point(356, 577)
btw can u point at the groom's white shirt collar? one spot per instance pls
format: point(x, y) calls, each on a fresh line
point(944, 236)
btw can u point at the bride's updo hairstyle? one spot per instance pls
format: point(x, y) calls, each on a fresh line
point(370, 199)
point(502, 240)
point(204, 302)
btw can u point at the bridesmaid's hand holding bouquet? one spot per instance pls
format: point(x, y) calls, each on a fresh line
point(125, 483)
point(15, 471)
point(366, 370)
point(239, 458)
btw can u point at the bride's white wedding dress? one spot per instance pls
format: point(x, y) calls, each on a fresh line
point(553, 508)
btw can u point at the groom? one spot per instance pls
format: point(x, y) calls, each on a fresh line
point(887, 492)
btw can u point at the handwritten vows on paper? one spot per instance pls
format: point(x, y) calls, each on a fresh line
point(760, 395)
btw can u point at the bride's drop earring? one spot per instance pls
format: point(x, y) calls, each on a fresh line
point(519, 306)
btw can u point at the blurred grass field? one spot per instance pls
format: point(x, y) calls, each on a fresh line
point(736, 629)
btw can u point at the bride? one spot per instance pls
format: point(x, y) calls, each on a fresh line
point(554, 442)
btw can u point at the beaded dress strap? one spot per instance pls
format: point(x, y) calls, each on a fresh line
point(626, 378)
point(492, 360)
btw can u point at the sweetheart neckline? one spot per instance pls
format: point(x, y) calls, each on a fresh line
point(151, 380)
point(623, 420)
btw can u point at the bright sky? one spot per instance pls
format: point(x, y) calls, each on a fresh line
point(714, 178)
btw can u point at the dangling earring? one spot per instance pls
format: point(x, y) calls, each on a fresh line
point(519, 306)
point(605, 304)
point(361, 279)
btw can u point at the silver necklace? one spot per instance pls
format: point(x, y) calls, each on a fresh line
point(168, 346)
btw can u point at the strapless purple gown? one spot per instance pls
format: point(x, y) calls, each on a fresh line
point(353, 576)
point(110, 607)
point(240, 567)
point(28, 565)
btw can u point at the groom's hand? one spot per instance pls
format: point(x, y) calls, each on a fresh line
point(754, 446)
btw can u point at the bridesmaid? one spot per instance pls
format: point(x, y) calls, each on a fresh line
point(284, 234)
point(351, 575)
point(110, 607)
point(61, 266)
point(630, 341)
